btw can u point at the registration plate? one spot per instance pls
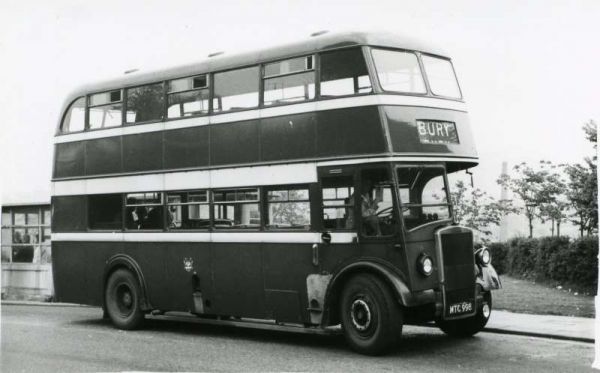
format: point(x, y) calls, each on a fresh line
point(461, 308)
point(437, 132)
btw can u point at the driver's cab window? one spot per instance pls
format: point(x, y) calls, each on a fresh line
point(423, 195)
point(376, 203)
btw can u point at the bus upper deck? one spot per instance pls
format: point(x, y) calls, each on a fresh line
point(334, 97)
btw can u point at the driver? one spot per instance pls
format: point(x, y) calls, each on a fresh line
point(369, 207)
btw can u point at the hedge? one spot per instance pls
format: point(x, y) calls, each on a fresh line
point(550, 258)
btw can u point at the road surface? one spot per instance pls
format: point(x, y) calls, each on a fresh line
point(53, 339)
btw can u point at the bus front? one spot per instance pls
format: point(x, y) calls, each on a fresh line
point(441, 274)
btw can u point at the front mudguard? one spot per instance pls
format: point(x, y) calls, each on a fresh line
point(487, 278)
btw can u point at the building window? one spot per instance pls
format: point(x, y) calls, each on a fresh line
point(288, 209)
point(74, 120)
point(236, 89)
point(145, 103)
point(144, 211)
point(338, 203)
point(344, 73)
point(236, 208)
point(188, 97)
point(26, 235)
point(289, 81)
point(105, 110)
point(188, 210)
point(106, 211)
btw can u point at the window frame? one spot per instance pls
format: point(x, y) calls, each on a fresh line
point(259, 201)
point(213, 86)
point(401, 204)
point(207, 203)
point(125, 205)
point(400, 93)
point(208, 88)
point(264, 78)
point(461, 98)
point(88, 213)
point(67, 112)
point(88, 107)
point(368, 65)
point(287, 187)
point(125, 95)
point(41, 225)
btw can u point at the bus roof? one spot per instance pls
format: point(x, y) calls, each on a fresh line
point(314, 44)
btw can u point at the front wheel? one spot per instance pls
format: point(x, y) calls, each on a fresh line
point(371, 317)
point(123, 300)
point(470, 326)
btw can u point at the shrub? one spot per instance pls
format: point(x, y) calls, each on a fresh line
point(522, 256)
point(550, 258)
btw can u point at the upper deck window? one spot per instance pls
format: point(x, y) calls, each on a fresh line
point(188, 97)
point(398, 71)
point(343, 73)
point(145, 103)
point(236, 89)
point(288, 81)
point(74, 120)
point(105, 110)
point(441, 77)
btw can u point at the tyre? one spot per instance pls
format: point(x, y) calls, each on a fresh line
point(123, 300)
point(470, 326)
point(371, 317)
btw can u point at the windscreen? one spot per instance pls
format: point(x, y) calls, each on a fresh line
point(398, 71)
point(441, 77)
point(423, 195)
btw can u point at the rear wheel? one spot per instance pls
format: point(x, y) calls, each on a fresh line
point(371, 317)
point(123, 300)
point(463, 328)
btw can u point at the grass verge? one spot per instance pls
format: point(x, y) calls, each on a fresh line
point(527, 296)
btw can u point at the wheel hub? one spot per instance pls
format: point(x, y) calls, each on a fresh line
point(360, 314)
point(486, 310)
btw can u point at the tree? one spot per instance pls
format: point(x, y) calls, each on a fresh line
point(583, 186)
point(475, 209)
point(552, 200)
point(539, 190)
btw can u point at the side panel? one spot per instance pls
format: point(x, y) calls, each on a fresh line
point(69, 159)
point(101, 156)
point(286, 267)
point(237, 279)
point(186, 147)
point(305, 136)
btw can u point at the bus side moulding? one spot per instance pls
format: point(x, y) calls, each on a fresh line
point(122, 260)
point(488, 278)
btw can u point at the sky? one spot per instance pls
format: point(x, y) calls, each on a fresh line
point(528, 69)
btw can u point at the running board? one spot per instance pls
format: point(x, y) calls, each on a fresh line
point(247, 323)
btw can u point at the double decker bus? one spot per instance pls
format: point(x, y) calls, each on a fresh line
point(302, 185)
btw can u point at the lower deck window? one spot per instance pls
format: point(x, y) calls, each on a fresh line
point(188, 210)
point(236, 208)
point(105, 211)
point(289, 208)
point(144, 211)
